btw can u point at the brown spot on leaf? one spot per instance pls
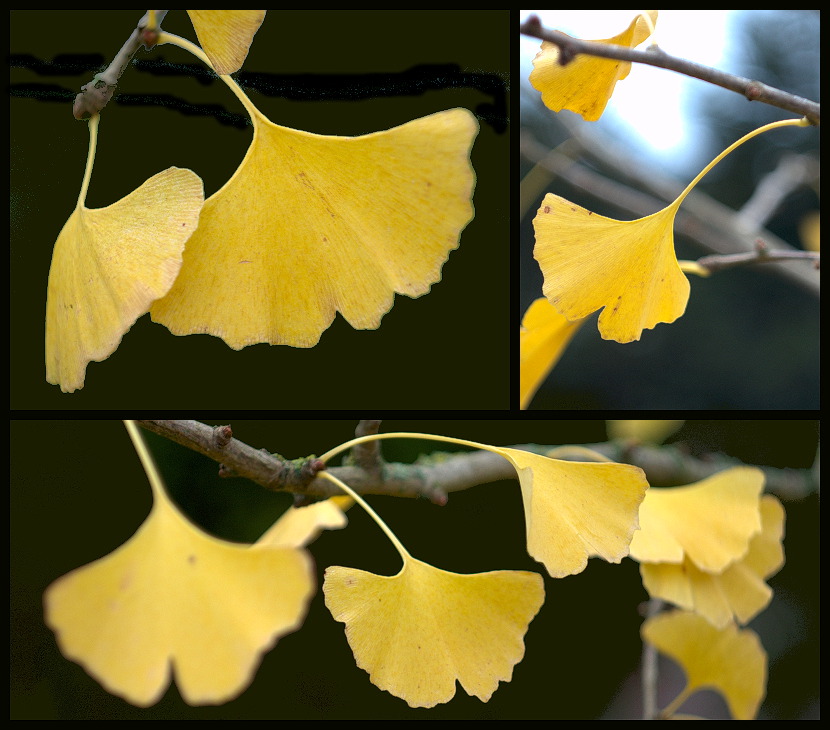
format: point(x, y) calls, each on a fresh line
point(547, 209)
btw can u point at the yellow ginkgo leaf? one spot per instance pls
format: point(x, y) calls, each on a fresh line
point(109, 264)
point(728, 660)
point(711, 521)
point(310, 225)
point(573, 510)
point(419, 631)
point(739, 592)
point(585, 84)
point(576, 510)
point(226, 35)
point(298, 526)
point(543, 338)
point(653, 431)
point(173, 598)
point(626, 268)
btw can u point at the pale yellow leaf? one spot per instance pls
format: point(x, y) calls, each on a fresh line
point(419, 631)
point(576, 510)
point(310, 225)
point(626, 268)
point(109, 265)
point(711, 522)
point(173, 599)
point(739, 593)
point(728, 660)
point(226, 35)
point(543, 338)
point(586, 83)
point(298, 526)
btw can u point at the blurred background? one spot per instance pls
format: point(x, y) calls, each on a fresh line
point(78, 492)
point(750, 336)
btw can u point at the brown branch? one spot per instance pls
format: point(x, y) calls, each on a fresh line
point(367, 455)
point(96, 94)
point(761, 255)
point(238, 459)
point(570, 47)
point(433, 477)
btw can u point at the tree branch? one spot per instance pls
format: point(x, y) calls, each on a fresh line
point(761, 255)
point(96, 94)
point(753, 90)
point(434, 476)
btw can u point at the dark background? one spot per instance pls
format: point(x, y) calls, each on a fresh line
point(78, 492)
point(163, 116)
point(749, 339)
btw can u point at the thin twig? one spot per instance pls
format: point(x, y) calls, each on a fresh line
point(760, 256)
point(649, 667)
point(96, 94)
point(753, 90)
point(792, 172)
point(434, 476)
point(367, 455)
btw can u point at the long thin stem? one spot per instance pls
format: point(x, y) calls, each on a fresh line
point(200, 54)
point(675, 704)
point(146, 459)
point(374, 515)
point(402, 434)
point(90, 158)
point(766, 128)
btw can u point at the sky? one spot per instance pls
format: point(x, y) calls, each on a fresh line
point(697, 35)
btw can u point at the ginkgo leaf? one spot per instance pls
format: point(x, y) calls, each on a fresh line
point(585, 84)
point(109, 265)
point(648, 431)
point(173, 598)
point(543, 338)
point(310, 225)
point(711, 522)
point(626, 268)
point(728, 660)
point(576, 510)
point(739, 592)
point(298, 526)
point(226, 35)
point(419, 631)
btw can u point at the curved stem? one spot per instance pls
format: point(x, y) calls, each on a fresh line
point(374, 515)
point(90, 158)
point(693, 267)
point(404, 434)
point(200, 54)
point(675, 704)
point(767, 127)
point(146, 459)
